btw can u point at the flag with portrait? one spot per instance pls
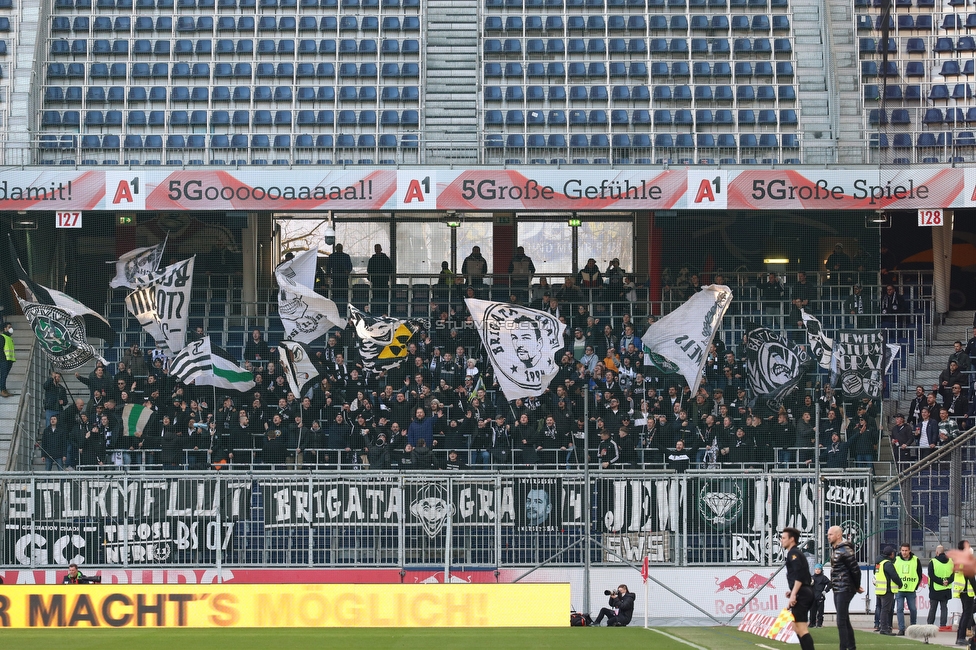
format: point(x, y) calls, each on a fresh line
point(299, 368)
point(521, 344)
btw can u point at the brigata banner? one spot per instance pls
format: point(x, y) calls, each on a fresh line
point(365, 188)
point(301, 605)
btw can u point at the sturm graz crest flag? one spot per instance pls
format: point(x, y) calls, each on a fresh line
point(774, 365)
point(60, 334)
point(521, 345)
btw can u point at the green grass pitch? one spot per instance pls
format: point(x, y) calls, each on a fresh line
point(710, 638)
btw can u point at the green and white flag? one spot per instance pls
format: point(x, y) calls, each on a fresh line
point(135, 418)
point(206, 364)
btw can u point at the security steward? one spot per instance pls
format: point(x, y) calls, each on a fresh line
point(886, 582)
point(940, 588)
point(909, 569)
point(800, 582)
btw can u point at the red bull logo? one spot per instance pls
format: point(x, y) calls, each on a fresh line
point(742, 582)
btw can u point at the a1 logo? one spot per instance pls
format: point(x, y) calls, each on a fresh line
point(125, 191)
point(707, 189)
point(417, 190)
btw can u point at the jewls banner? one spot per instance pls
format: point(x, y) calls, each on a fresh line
point(862, 359)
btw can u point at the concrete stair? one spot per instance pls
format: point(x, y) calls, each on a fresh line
point(844, 74)
point(817, 121)
point(23, 340)
point(451, 68)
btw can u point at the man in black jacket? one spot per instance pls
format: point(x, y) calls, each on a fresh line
point(621, 608)
point(845, 580)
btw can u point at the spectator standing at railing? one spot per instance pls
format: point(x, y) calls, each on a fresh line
point(947, 425)
point(803, 296)
point(520, 271)
point(55, 395)
point(135, 361)
point(957, 405)
point(960, 356)
point(916, 405)
point(771, 294)
point(926, 432)
point(97, 381)
point(475, 267)
point(947, 378)
point(590, 278)
point(892, 306)
point(806, 438)
point(338, 266)
point(839, 265)
point(379, 269)
point(837, 452)
point(54, 445)
point(902, 440)
point(256, 349)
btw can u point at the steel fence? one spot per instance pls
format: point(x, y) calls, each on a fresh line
point(443, 520)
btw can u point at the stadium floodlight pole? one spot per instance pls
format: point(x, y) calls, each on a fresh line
point(586, 498)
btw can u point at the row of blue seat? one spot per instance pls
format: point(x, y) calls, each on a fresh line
point(223, 141)
point(943, 45)
point(643, 141)
point(238, 70)
point(243, 24)
point(922, 4)
point(908, 22)
point(623, 93)
point(55, 95)
point(207, 5)
point(659, 117)
point(638, 4)
point(244, 46)
point(913, 93)
point(927, 139)
point(716, 46)
point(950, 68)
point(679, 23)
point(407, 118)
point(638, 69)
point(902, 116)
point(951, 115)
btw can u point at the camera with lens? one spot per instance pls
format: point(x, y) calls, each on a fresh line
point(89, 580)
point(610, 592)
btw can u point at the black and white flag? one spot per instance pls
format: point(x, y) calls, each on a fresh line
point(863, 358)
point(679, 342)
point(821, 345)
point(162, 306)
point(206, 364)
point(300, 371)
point(141, 303)
point(60, 334)
point(774, 365)
point(382, 340)
point(305, 314)
point(137, 267)
point(521, 344)
point(94, 323)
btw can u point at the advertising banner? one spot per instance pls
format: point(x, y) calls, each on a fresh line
point(365, 189)
point(305, 605)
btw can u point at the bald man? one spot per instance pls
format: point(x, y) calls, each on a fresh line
point(845, 582)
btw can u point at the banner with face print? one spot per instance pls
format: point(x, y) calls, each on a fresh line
point(521, 344)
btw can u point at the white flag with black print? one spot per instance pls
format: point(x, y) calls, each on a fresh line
point(300, 371)
point(382, 340)
point(137, 267)
point(192, 361)
point(821, 345)
point(521, 344)
point(682, 338)
point(305, 314)
point(61, 334)
point(141, 303)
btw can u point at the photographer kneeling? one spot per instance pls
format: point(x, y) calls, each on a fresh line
point(621, 608)
point(76, 577)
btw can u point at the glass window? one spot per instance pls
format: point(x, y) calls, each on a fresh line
point(421, 247)
point(549, 244)
point(358, 239)
point(605, 240)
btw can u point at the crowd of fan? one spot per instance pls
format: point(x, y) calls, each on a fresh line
point(441, 408)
